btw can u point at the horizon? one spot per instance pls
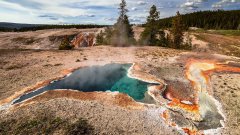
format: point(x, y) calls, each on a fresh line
point(99, 11)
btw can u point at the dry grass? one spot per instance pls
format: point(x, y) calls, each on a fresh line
point(227, 45)
point(24, 40)
point(45, 124)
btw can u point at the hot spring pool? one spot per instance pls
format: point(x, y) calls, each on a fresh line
point(110, 77)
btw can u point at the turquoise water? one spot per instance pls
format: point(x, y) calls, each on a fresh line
point(110, 77)
point(134, 88)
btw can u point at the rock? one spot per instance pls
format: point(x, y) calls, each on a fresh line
point(83, 40)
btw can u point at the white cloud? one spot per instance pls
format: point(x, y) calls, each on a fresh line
point(134, 8)
point(189, 4)
point(13, 6)
point(141, 3)
point(223, 3)
point(46, 8)
point(98, 11)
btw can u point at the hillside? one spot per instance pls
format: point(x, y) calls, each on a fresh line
point(18, 27)
point(208, 20)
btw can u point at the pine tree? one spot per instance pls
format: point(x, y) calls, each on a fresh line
point(153, 15)
point(122, 31)
point(149, 35)
point(100, 38)
point(177, 31)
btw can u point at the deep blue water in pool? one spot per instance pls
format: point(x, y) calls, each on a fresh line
point(111, 77)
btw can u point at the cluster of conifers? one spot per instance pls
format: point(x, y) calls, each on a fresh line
point(121, 34)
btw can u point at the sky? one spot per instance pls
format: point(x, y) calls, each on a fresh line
point(100, 11)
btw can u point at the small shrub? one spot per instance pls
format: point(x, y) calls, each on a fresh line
point(100, 38)
point(6, 126)
point(81, 127)
point(65, 44)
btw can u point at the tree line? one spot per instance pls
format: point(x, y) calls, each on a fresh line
point(43, 27)
point(218, 19)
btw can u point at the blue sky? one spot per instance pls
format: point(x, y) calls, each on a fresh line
point(99, 11)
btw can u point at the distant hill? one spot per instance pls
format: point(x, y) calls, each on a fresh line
point(208, 20)
point(18, 27)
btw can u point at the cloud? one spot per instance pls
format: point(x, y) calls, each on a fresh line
point(160, 7)
point(134, 8)
point(53, 18)
point(138, 19)
point(141, 3)
point(223, 3)
point(91, 15)
point(188, 4)
point(14, 6)
point(135, 20)
point(46, 8)
point(192, 4)
point(99, 11)
point(49, 17)
point(110, 19)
